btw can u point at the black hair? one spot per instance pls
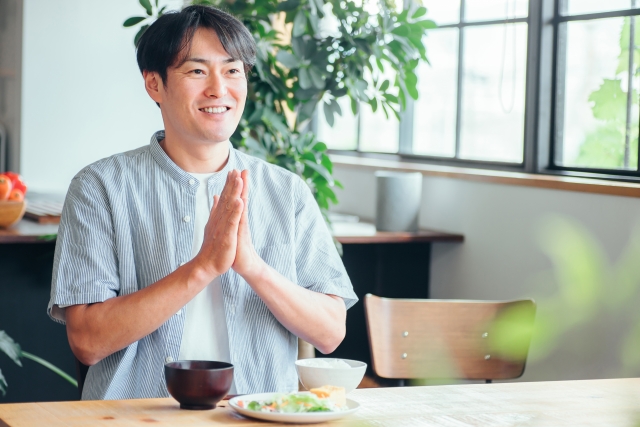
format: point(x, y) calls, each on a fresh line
point(167, 41)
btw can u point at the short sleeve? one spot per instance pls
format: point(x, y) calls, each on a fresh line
point(85, 263)
point(319, 267)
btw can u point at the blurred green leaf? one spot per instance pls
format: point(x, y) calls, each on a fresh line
point(304, 79)
point(133, 21)
point(9, 347)
point(299, 24)
point(147, 6)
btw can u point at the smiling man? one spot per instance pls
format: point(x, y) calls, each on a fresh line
point(187, 248)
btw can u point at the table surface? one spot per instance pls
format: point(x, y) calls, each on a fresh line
point(562, 403)
point(27, 231)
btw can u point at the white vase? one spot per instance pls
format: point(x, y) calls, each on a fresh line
point(398, 201)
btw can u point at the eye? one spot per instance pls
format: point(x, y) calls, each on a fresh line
point(235, 71)
point(197, 71)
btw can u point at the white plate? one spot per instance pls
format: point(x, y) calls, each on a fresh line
point(299, 418)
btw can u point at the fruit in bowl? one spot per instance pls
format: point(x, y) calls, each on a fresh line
point(12, 203)
point(318, 372)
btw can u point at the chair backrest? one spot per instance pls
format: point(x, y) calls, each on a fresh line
point(446, 339)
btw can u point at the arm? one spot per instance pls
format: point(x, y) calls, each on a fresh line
point(97, 330)
point(315, 317)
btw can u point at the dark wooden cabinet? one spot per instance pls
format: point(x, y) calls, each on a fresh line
point(392, 265)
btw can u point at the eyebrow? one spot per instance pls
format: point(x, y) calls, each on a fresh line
point(228, 60)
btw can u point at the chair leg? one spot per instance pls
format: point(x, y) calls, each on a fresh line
point(402, 383)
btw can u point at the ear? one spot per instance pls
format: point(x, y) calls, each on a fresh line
point(153, 85)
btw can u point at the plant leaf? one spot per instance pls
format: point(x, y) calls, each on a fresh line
point(9, 347)
point(328, 113)
point(316, 77)
point(299, 24)
point(304, 79)
point(421, 11)
point(321, 170)
point(133, 21)
point(147, 6)
point(161, 11)
point(287, 59)
point(288, 5)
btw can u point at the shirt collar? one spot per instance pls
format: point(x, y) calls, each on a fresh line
point(180, 175)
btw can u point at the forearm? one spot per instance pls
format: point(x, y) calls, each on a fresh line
point(316, 318)
point(97, 330)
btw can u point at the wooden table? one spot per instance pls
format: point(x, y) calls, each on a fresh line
point(602, 403)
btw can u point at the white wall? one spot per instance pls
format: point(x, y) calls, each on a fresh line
point(82, 94)
point(500, 257)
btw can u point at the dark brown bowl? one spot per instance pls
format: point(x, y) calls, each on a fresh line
point(198, 384)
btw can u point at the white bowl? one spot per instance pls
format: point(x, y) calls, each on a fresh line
point(313, 377)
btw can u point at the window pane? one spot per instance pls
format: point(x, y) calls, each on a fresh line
point(577, 7)
point(488, 10)
point(344, 133)
point(493, 93)
point(377, 133)
point(443, 12)
point(595, 100)
point(434, 123)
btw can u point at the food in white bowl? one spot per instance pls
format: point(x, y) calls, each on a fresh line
point(318, 372)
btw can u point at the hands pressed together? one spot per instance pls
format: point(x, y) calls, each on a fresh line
point(227, 238)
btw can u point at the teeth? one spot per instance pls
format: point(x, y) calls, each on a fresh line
point(215, 110)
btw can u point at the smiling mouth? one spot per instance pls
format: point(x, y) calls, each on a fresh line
point(215, 110)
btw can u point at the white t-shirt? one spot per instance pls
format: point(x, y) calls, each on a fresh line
point(205, 335)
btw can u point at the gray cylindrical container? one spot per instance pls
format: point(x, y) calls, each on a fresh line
point(398, 200)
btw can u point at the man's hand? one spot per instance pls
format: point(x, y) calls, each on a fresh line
point(220, 242)
point(247, 261)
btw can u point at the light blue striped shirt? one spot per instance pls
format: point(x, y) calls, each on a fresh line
point(127, 223)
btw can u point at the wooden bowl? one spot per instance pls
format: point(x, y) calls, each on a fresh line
point(198, 384)
point(11, 212)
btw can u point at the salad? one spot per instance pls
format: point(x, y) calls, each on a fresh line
point(292, 403)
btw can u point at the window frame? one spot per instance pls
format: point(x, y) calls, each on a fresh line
point(543, 23)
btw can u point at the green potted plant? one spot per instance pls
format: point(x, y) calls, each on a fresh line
point(310, 54)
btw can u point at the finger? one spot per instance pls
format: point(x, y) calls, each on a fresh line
point(216, 200)
point(245, 185)
point(244, 221)
point(237, 192)
point(235, 214)
point(227, 186)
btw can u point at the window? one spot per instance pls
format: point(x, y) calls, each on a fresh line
point(596, 117)
point(542, 86)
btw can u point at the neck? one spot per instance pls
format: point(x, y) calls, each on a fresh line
point(198, 157)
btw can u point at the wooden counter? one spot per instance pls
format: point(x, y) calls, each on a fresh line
point(27, 231)
point(609, 403)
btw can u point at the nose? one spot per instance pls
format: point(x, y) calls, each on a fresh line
point(216, 86)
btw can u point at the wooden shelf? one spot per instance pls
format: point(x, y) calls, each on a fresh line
point(366, 233)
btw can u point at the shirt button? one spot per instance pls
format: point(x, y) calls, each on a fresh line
point(168, 359)
point(192, 181)
point(186, 218)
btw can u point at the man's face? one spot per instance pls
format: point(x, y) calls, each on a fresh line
point(202, 99)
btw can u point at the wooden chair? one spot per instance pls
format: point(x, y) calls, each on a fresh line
point(446, 339)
